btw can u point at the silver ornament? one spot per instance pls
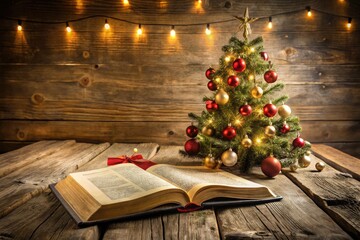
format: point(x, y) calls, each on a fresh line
point(229, 158)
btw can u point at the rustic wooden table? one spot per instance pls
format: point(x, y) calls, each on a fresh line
point(321, 205)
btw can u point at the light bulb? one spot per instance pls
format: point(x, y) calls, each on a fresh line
point(251, 77)
point(252, 49)
point(308, 11)
point(348, 25)
point(19, 27)
point(68, 28)
point(126, 2)
point(207, 30)
point(172, 32)
point(107, 25)
point(270, 23)
point(227, 59)
point(139, 31)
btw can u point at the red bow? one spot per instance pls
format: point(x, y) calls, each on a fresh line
point(136, 159)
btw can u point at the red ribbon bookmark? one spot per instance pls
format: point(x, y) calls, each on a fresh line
point(136, 159)
point(190, 207)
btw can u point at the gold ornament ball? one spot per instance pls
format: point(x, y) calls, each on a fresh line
point(293, 167)
point(270, 131)
point(304, 161)
point(208, 131)
point(229, 158)
point(210, 162)
point(246, 142)
point(257, 92)
point(308, 153)
point(320, 166)
point(221, 97)
point(284, 111)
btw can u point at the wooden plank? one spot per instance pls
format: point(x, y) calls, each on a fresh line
point(338, 160)
point(166, 133)
point(335, 192)
point(351, 148)
point(49, 219)
point(7, 146)
point(20, 186)
point(296, 216)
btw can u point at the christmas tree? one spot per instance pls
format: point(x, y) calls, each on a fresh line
point(245, 121)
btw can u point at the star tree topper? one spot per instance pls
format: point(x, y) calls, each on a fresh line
point(245, 23)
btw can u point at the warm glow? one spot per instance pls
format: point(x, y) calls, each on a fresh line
point(210, 121)
point(348, 25)
point(238, 122)
point(199, 1)
point(227, 59)
point(252, 49)
point(139, 31)
point(217, 80)
point(126, 2)
point(68, 28)
point(135, 150)
point(258, 140)
point(207, 30)
point(107, 25)
point(19, 27)
point(270, 23)
point(172, 32)
point(309, 13)
point(251, 77)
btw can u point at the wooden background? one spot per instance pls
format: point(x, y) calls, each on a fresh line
point(96, 86)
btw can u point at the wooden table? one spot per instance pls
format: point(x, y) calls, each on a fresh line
point(320, 205)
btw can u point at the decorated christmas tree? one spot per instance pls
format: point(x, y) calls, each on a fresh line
point(246, 120)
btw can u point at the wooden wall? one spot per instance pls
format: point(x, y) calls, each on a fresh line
point(97, 86)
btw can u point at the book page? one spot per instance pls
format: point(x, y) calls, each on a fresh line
point(191, 179)
point(121, 182)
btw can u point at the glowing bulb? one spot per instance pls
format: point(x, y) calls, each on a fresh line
point(19, 27)
point(217, 80)
point(199, 1)
point(135, 150)
point(107, 25)
point(172, 32)
point(308, 11)
point(348, 25)
point(258, 140)
point(68, 28)
point(139, 31)
point(207, 30)
point(252, 49)
point(210, 121)
point(270, 23)
point(227, 59)
point(251, 77)
point(126, 2)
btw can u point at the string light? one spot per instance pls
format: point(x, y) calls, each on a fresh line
point(348, 25)
point(68, 28)
point(207, 30)
point(107, 25)
point(139, 31)
point(251, 77)
point(270, 23)
point(19, 27)
point(172, 32)
point(308, 8)
point(126, 2)
point(227, 59)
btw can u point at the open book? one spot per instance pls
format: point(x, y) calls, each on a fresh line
point(126, 190)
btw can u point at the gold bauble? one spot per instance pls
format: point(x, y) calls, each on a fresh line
point(210, 162)
point(221, 97)
point(229, 158)
point(246, 142)
point(304, 161)
point(208, 131)
point(293, 167)
point(320, 166)
point(270, 131)
point(257, 92)
point(284, 111)
point(308, 153)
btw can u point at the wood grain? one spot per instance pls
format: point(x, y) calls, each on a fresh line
point(338, 194)
point(338, 160)
point(31, 180)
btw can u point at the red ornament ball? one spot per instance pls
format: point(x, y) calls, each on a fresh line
point(270, 166)
point(229, 133)
point(211, 106)
point(264, 56)
point(270, 110)
point(211, 86)
point(245, 110)
point(192, 146)
point(233, 81)
point(239, 65)
point(298, 142)
point(210, 73)
point(192, 131)
point(285, 128)
point(270, 76)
